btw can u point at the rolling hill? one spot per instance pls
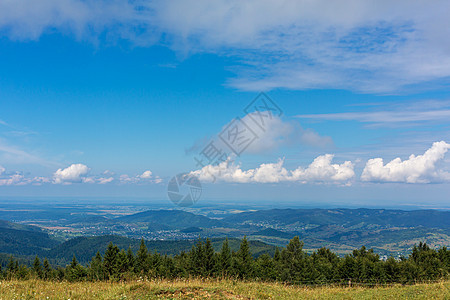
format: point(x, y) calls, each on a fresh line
point(176, 219)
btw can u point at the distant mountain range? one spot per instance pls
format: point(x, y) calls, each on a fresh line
point(342, 230)
point(346, 217)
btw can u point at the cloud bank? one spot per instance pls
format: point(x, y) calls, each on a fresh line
point(369, 46)
point(416, 169)
point(320, 170)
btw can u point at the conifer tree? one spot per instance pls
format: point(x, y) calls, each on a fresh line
point(209, 262)
point(244, 259)
point(130, 259)
point(142, 258)
point(47, 271)
point(74, 262)
point(122, 263)
point(37, 268)
point(10, 268)
point(225, 260)
point(110, 261)
point(96, 268)
point(293, 261)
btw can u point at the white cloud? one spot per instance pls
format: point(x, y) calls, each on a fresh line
point(27, 19)
point(320, 170)
point(15, 179)
point(73, 173)
point(370, 46)
point(416, 169)
point(146, 175)
point(400, 116)
point(104, 180)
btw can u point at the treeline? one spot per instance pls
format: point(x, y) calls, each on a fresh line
point(291, 264)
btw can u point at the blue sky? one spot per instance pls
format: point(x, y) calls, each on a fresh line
point(93, 95)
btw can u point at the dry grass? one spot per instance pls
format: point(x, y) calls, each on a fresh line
point(210, 289)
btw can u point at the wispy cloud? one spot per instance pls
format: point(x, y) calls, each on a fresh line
point(369, 46)
point(412, 113)
point(13, 154)
point(383, 116)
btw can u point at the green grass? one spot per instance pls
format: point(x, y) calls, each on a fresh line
point(210, 289)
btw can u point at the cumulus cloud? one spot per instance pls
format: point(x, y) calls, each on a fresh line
point(103, 180)
point(320, 170)
point(370, 46)
point(75, 173)
point(72, 174)
point(146, 175)
point(15, 179)
point(416, 169)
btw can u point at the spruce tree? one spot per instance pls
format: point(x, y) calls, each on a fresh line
point(37, 268)
point(74, 262)
point(130, 259)
point(244, 259)
point(96, 270)
point(293, 261)
point(122, 262)
point(208, 258)
point(142, 258)
point(47, 272)
point(110, 261)
point(225, 259)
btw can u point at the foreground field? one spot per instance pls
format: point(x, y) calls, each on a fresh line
point(213, 289)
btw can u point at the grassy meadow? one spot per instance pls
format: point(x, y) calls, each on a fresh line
point(211, 289)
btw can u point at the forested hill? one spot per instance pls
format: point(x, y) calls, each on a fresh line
point(171, 218)
point(346, 217)
point(24, 239)
point(388, 232)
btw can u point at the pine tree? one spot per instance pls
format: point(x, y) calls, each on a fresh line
point(96, 269)
point(74, 271)
point(265, 266)
point(10, 268)
point(122, 262)
point(293, 261)
point(208, 258)
point(197, 259)
point(130, 260)
point(244, 259)
point(225, 259)
point(74, 262)
point(142, 258)
point(47, 269)
point(110, 261)
point(37, 268)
